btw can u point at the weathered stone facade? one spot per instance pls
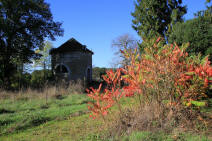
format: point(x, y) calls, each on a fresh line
point(72, 61)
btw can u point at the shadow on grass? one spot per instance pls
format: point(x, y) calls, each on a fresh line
point(5, 111)
point(26, 124)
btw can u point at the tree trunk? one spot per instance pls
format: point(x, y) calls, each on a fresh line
point(8, 67)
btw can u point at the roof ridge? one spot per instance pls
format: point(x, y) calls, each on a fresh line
point(76, 44)
point(73, 39)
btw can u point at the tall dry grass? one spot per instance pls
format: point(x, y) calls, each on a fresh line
point(156, 117)
point(47, 92)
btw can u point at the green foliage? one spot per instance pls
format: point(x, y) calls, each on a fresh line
point(45, 60)
point(199, 103)
point(153, 18)
point(97, 73)
point(20, 81)
point(24, 25)
point(38, 80)
point(198, 32)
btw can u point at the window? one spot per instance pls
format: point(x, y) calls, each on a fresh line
point(61, 69)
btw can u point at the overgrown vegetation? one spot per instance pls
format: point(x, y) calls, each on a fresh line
point(170, 87)
point(27, 117)
point(162, 92)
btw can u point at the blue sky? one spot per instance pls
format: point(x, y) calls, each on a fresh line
point(96, 23)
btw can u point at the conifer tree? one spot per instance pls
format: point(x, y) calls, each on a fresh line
point(154, 18)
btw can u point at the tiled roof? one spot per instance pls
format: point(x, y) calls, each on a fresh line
point(69, 46)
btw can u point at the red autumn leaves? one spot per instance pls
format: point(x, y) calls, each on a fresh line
point(150, 74)
point(104, 100)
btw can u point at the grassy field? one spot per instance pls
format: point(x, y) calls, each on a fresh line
point(63, 118)
point(28, 118)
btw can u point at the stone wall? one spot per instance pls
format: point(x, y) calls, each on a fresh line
point(77, 64)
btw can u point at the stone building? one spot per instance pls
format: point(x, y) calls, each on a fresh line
point(72, 61)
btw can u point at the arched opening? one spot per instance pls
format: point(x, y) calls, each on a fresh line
point(61, 69)
point(89, 75)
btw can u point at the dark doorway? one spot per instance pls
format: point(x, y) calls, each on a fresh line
point(89, 75)
point(61, 69)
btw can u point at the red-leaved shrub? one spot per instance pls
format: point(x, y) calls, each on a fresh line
point(165, 73)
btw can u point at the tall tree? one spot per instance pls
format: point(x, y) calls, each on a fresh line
point(24, 25)
point(154, 18)
point(45, 60)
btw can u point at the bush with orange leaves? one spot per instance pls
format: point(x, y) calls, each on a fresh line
point(165, 73)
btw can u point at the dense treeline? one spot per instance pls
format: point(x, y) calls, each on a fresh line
point(35, 80)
